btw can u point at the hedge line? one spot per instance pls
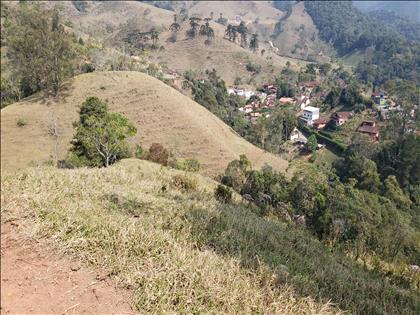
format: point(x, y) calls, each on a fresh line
point(325, 138)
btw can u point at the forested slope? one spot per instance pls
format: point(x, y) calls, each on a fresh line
point(350, 30)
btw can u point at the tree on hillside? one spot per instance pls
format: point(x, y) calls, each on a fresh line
point(222, 20)
point(175, 27)
point(194, 23)
point(100, 138)
point(154, 35)
point(38, 47)
point(243, 31)
point(312, 143)
point(232, 32)
point(253, 44)
point(207, 30)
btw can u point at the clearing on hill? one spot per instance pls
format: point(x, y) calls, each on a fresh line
point(39, 129)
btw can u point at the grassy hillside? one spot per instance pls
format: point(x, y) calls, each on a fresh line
point(297, 36)
point(180, 250)
point(106, 22)
point(160, 113)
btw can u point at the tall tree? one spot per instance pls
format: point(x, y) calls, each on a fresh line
point(243, 31)
point(194, 23)
point(100, 138)
point(154, 35)
point(253, 44)
point(175, 25)
point(38, 47)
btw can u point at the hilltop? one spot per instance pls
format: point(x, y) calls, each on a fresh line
point(160, 113)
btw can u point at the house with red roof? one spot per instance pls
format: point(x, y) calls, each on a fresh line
point(320, 123)
point(369, 128)
point(340, 118)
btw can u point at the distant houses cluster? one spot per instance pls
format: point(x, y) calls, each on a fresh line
point(266, 99)
point(263, 100)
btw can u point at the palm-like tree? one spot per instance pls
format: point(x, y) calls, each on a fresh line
point(194, 26)
point(243, 31)
point(154, 35)
point(253, 44)
point(175, 25)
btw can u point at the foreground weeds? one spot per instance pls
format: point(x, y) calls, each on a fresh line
point(165, 236)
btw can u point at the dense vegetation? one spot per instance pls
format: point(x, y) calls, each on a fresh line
point(349, 30)
point(268, 133)
point(408, 29)
point(40, 52)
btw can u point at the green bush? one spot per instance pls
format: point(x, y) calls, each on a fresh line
point(188, 165)
point(21, 122)
point(223, 193)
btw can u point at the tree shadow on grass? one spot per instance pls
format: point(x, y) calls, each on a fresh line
point(312, 268)
point(47, 98)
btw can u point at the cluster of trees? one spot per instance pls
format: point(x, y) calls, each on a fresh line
point(232, 32)
point(392, 55)
point(41, 51)
point(340, 206)
point(407, 28)
point(141, 39)
point(203, 29)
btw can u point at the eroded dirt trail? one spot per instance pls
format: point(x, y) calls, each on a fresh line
point(34, 280)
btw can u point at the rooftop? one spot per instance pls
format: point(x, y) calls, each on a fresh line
point(311, 109)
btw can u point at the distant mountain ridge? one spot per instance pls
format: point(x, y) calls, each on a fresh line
point(410, 9)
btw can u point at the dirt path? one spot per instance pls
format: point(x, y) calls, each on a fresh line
point(34, 280)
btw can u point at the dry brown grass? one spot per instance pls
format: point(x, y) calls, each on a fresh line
point(291, 36)
point(161, 114)
point(119, 219)
point(227, 58)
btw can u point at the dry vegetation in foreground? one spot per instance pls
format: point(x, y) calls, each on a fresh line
point(161, 233)
point(132, 220)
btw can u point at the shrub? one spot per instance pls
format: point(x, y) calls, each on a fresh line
point(252, 67)
point(223, 193)
point(158, 154)
point(189, 165)
point(237, 81)
point(21, 122)
point(184, 183)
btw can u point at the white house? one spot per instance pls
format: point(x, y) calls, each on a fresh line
point(241, 92)
point(310, 113)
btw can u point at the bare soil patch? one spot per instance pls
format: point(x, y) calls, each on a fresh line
point(34, 280)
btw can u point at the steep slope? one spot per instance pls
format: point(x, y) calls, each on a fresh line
point(181, 251)
point(297, 36)
point(146, 238)
point(410, 9)
point(161, 114)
